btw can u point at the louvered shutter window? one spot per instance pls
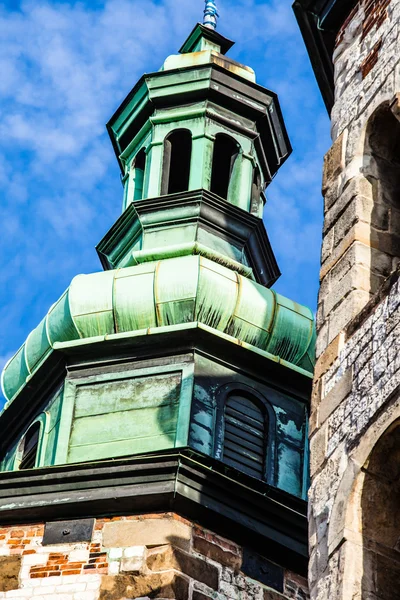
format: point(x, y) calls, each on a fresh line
point(31, 442)
point(244, 436)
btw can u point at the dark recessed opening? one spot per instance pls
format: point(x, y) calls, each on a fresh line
point(226, 151)
point(31, 443)
point(176, 163)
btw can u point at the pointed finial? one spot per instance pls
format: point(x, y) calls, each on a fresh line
point(210, 14)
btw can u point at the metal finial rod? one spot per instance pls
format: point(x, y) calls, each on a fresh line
point(210, 14)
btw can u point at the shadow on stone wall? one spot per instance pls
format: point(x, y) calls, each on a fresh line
point(381, 519)
point(382, 169)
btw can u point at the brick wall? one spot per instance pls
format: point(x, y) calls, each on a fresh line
point(151, 556)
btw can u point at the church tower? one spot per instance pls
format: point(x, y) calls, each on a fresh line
point(355, 416)
point(154, 440)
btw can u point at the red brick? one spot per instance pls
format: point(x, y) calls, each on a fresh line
point(371, 60)
point(25, 552)
point(55, 574)
point(17, 533)
point(37, 575)
point(71, 572)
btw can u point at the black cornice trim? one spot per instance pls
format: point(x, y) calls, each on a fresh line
point(320, 22)
point(192, 484)
point(34, 397)
point(239, 226)
point(225, 88)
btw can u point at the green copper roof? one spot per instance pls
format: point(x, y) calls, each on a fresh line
point(168, 292)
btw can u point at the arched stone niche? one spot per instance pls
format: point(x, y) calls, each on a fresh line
point(363, 539)
point(381, 167)
point(380, 519)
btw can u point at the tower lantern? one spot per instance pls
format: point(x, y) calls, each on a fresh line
point(175, 381)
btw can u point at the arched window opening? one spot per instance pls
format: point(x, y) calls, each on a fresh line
point(226, 151)
point(381, 519)
point(245, 435)
point(139, 168)
point(256, 192)
point(30, 445)
point(382, 169)
point(176, 163)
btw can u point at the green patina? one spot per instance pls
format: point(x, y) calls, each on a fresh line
point(176, 262)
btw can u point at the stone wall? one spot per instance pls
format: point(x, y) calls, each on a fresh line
point(148, 556)
point(358, 250)
point(359, 400)
point(355, 395)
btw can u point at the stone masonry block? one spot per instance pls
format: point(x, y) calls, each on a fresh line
point(216, 552)
point(327, 246)
point(359, 232)
point(155, 585)
point(10, 567)
point(334, 161)
point(358, 278)
point(359, 209)
point(200, 596)
point(147, 532)
point(273, 595)
point(346, 311)
point(318, 446)
point(386, 242)
point(322, 338)
point(360, 254)
point(167, 557)
point(331, 195)
point(358, 187)
point(326, 360)
point(335, 396)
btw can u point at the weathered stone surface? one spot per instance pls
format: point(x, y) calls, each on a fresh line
point(273, 595)
point(147, 532)
point(9, 571)
point(329, 356)
point(335, 396)
point(318, 445)
point(160, 585)
point(215, 552)
point(200, 596)
point(333, 163)
point(167, 557)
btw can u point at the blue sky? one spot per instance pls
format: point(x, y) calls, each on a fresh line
point(65, 67)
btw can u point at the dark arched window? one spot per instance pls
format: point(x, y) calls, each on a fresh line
point(245, 435)
point(176, 163)
point(139, 166)
point(226, 151)
point(30, 444)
